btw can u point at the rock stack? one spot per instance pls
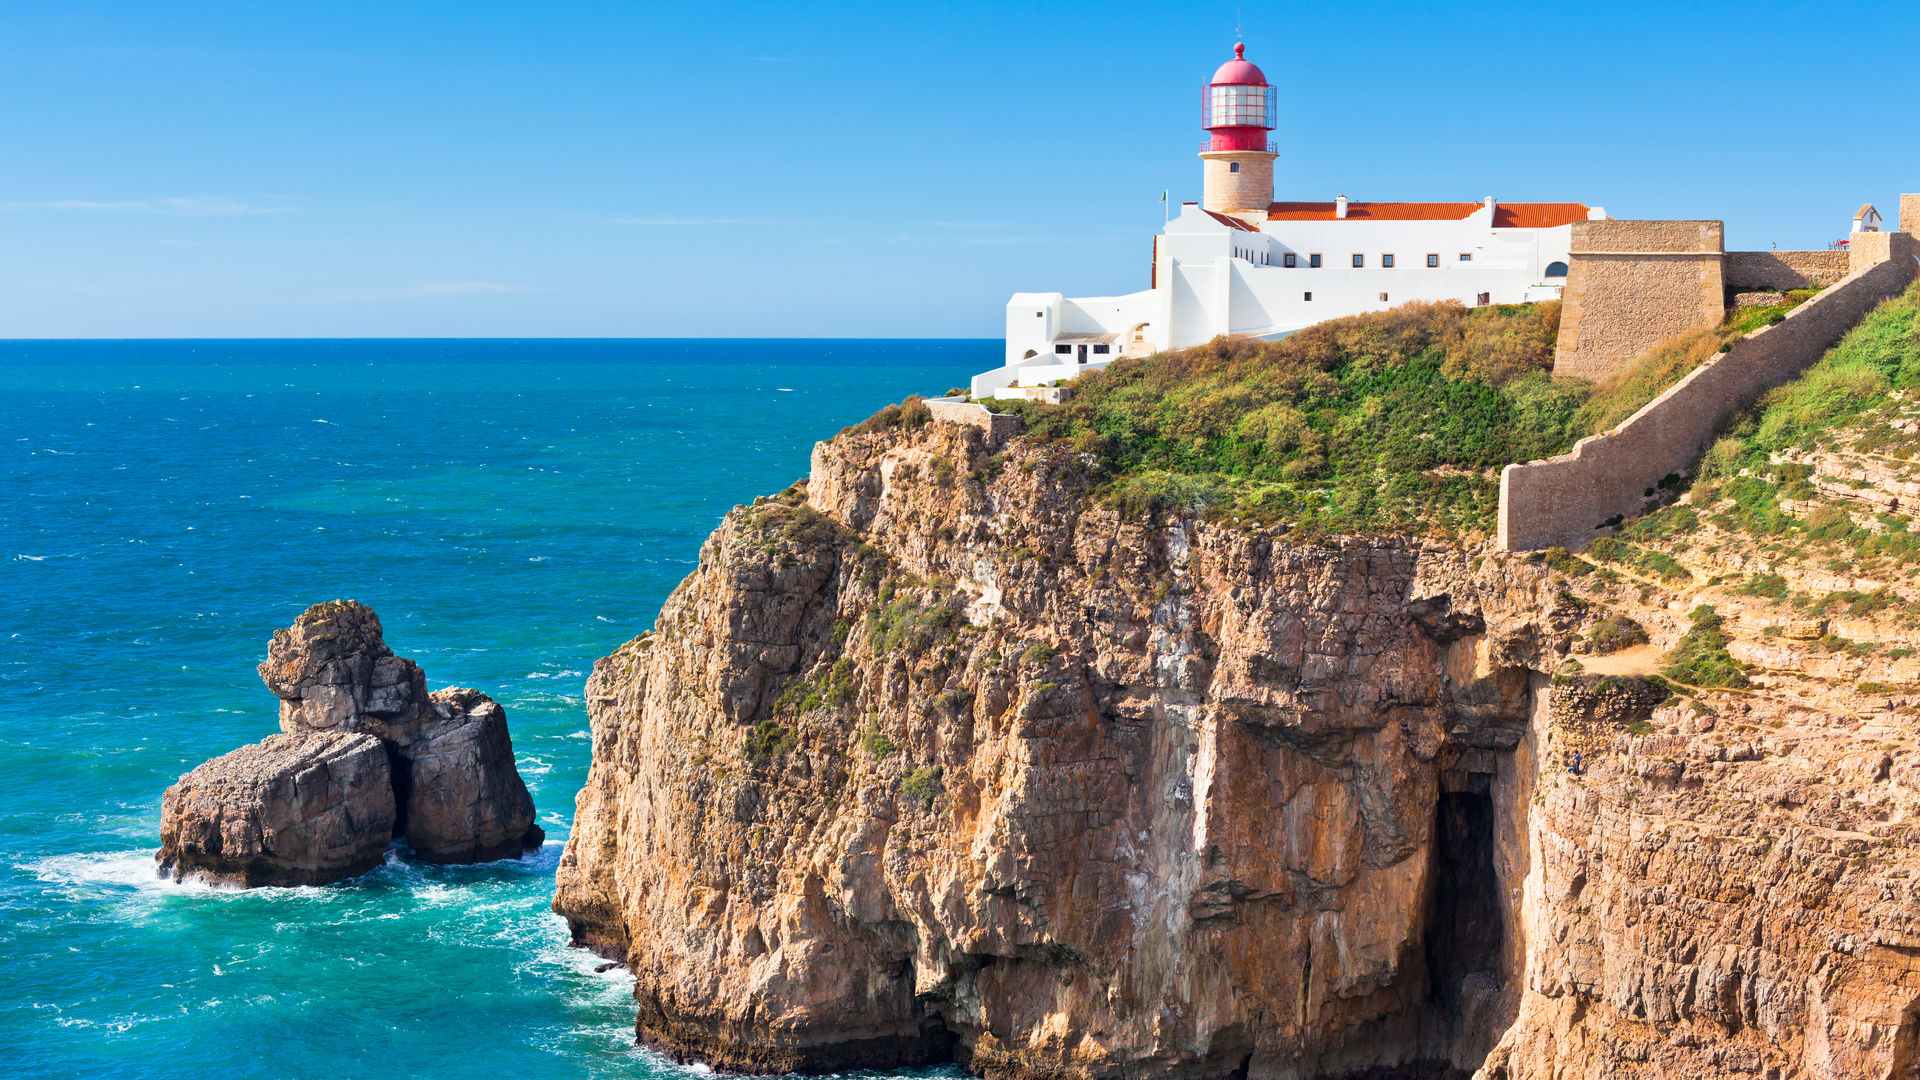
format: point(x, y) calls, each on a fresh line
point(366, 755)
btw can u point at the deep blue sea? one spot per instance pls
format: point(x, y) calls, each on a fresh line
point(512, 509)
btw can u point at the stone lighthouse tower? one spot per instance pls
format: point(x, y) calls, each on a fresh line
point(1236, 108)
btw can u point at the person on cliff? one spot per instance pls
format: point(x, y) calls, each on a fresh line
point(1573, 767)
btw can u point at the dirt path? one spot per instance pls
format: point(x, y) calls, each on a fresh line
point(1639, 660)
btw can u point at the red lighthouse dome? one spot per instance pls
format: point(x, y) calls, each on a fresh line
point(1237, 107)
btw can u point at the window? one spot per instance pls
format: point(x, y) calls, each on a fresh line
point(1466, 256)
point(1233, 166)
point(1038, 314)
point(1289, 259)
point(1100, 350)
point(1062, 350)
point(1359, 261)
point(1486, 298)
point(1433, 260)
point(1556, 269)
point(1307, 296)
point(1238, 105)
point(1383, 298)
point(1386, 261)
point(1313, 261)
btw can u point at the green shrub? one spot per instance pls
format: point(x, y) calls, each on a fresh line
point(1565, 562)
point(922, 785)
point(768, 739)
point(1037, 653)
point(1771, 586)
point(1610, 635)
point(1700, 657)
point(877, 745)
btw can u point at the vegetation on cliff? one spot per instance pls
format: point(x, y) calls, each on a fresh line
point(1395, 421)
point(1776, 473)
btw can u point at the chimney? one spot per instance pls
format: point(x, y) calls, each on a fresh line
point(1340, 206)
point(1489, 202)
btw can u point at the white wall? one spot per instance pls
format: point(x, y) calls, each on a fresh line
point(1213, 279)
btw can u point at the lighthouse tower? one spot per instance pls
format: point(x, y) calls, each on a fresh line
point(1236, 108)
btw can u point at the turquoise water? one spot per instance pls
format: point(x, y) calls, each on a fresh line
point(511, 509)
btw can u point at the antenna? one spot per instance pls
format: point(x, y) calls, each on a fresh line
point(1236, 22)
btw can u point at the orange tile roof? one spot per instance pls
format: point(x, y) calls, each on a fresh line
point(1505, 215)
point(1230, 222)
point(1537, 215)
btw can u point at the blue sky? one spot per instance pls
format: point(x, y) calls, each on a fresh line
point(563, 169)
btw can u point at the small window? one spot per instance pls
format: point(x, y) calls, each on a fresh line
point(1037, 314)
point(1290, 259)
point(1062, 350)
point(1233, 166)
point(1307, 296)
point(1433, 260)
point(1100, 350)
point(1556, 269)
point(1466, 256)
point(1486, 298)
point(1359, 261)
point(1383, 298)
point(1313, 261)
point(1386, 261)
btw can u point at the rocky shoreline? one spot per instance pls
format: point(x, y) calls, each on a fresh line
point(365, 756)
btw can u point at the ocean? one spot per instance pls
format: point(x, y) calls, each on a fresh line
point(512, 509)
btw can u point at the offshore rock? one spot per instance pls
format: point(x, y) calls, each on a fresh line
point(939, 757)
point(332, 671)
point(467, 802)
point(290, 810)
point(447, 775)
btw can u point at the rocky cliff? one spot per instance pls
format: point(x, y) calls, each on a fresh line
point(936, 756)
point(366, 754)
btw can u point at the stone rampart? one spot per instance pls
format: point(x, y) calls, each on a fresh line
point(1910, 214)
point(999, 427)
point(1784, 269)
point(1633, 284)
point(1570, 499)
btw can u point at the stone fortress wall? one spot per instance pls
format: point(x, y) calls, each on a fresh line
point(1633, 284)
point(1783, 269)
point(1570, 499)
point(998, 427)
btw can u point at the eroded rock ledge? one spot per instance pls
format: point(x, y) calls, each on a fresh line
point(366, 755)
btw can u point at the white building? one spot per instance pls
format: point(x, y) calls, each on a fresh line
point(1239, 263)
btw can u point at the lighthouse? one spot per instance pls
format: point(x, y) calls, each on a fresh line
point(1236, 109)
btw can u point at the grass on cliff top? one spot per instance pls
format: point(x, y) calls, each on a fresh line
point(1752, 463)
point(1395, 421)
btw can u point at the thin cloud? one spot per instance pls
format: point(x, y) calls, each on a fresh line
point(697, 221)
point(426, 289)
point(192, 206)
point(468, 288)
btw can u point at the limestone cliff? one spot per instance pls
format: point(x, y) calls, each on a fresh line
point(936, 756)
point(939, 756)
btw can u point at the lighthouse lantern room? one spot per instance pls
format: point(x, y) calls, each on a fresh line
point(1237, 110)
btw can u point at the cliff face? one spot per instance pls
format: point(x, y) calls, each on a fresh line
point(941, 757)
point(937, 756)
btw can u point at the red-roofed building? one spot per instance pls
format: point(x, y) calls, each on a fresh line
point(1239, 262)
